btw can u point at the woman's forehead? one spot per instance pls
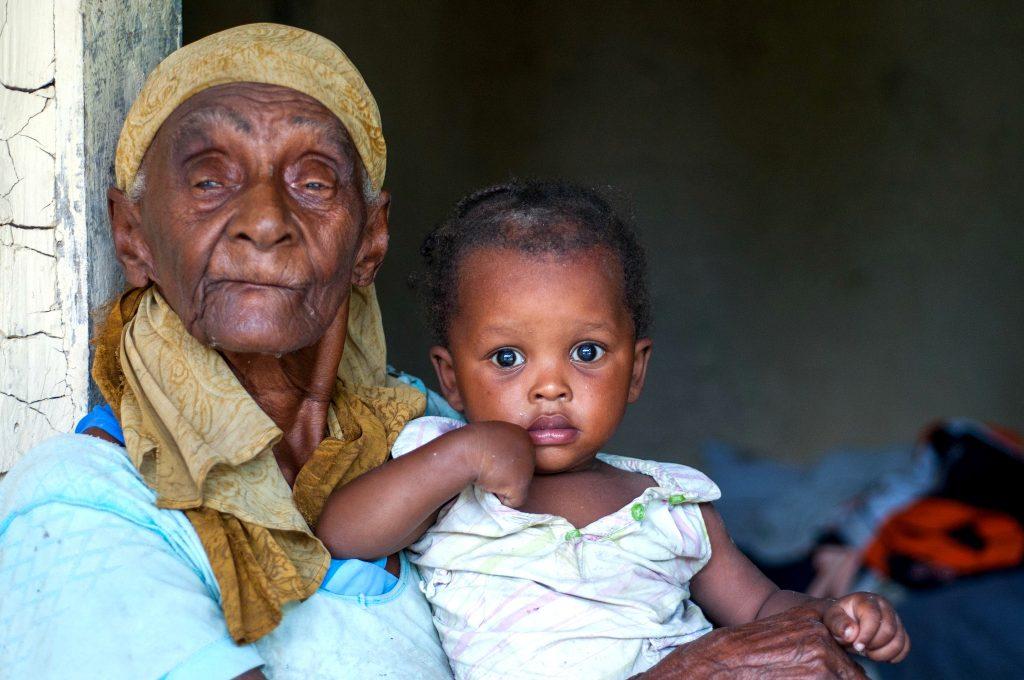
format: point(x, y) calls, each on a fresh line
point(242, 105)
point(248, 108)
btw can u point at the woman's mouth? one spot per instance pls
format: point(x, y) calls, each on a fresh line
point(552, 430)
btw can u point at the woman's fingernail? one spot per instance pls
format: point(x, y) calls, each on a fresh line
point(859, 646)
point(847, 631)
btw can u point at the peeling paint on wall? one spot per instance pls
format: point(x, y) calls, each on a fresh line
point(35, 396)
point(61, 104)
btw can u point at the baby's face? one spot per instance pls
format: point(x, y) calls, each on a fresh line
point(547, 343)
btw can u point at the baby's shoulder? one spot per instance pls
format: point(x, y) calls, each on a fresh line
point(420, 431)
point(676, 481)
point(630, 483)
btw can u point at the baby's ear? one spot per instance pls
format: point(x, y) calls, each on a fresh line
point(641, 355)
point(445, 369)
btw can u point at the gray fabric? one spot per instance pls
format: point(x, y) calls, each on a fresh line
point(971, 629)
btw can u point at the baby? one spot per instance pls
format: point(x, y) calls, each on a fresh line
point(540, 556)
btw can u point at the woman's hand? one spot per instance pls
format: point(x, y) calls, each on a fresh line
point(869, 624)
point(793, 644)
point(504, 459)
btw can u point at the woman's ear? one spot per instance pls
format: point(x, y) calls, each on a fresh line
point(373, 243)
point(445, 369)
point(129, 245)
point(641, 355)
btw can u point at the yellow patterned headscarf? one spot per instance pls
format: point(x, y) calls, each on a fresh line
point(199, 439)
point(255, 53)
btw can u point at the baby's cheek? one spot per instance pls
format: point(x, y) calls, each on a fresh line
point(492, 403)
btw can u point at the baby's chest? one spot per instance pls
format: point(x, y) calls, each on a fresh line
point(565, 577)
point(583, 499)
point(646, 540)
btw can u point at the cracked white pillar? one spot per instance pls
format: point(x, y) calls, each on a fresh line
point(68, 71)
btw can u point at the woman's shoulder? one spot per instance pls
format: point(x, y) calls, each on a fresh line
point(73, 468)
point(78, 480)
point(90, 567)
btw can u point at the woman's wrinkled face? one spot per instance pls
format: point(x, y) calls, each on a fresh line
point(252, 223)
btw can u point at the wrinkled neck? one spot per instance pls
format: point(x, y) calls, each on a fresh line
point(295, 390)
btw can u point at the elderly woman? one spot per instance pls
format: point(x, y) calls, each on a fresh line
point(246, 371)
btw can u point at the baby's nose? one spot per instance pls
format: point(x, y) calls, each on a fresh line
point(552, 390)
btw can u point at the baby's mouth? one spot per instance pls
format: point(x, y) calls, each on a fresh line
point(552, 430)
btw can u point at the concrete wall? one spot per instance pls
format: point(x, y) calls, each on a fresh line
point(37, 372)
point(830, 193)
point(68, 71)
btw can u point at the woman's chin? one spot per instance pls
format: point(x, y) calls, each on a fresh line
point(247, 344)
point(245, 337)
point(272, 325)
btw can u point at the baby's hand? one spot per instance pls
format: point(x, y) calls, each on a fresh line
point(868, 623)
point(504, 461)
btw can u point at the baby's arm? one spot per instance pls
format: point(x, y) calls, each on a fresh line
point(388, 508)
point(732, 591)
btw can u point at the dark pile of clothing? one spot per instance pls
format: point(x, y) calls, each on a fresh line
point(972, 520)
point(938, 527)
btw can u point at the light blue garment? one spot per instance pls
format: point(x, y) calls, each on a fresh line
point(358, 636)
point(356, 577)
point(346, 577)
point(96, 581)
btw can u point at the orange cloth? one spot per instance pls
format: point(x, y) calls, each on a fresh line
point(925, 532)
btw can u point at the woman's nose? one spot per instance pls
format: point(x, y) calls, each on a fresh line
point(264, 220)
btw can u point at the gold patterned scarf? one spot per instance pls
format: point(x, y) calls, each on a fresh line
point(205, 447)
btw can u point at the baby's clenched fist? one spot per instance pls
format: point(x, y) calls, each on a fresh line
point(868, 623)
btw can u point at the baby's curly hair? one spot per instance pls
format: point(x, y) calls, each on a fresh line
point(537, 217)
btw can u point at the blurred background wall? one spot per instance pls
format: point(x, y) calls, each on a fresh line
point(831, 193)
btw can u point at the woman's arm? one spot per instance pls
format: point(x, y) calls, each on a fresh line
point(388, 508)
point(793, 645)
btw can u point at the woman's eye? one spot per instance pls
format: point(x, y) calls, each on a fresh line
point(315, 186)
point(208, 184)
point(506, 357)
point(586, 352)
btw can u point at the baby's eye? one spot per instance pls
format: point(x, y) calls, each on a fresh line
point(506, 357)
point(586, 352)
